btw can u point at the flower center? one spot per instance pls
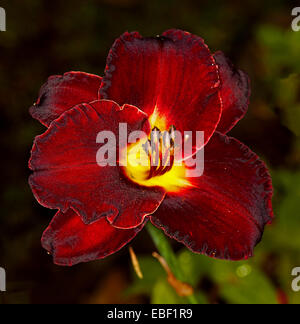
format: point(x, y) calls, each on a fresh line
point(151, 162)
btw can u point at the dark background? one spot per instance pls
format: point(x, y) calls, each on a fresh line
point(52, 37)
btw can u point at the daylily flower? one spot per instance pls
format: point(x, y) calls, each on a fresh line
point(169, 81)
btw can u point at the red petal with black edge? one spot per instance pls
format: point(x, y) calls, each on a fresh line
point(223, 215)
point(66, 174)
point(235, 93)
point(70, 241)
point(174, 73)
point(63, 92)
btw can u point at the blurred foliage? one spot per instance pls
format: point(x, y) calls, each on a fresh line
point(281, 50)
point(52, 37)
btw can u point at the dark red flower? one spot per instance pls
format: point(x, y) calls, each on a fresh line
point(167, 82)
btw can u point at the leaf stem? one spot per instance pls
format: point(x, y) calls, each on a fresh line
point(161, 242)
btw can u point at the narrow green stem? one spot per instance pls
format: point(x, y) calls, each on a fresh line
point(161, 242)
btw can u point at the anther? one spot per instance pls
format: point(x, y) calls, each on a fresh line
point(159, 164)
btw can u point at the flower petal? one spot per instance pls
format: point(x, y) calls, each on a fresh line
point(235, 93)
point(63, 92)
point(174, 75)
point(66, 174)
point(70, 241)
point(224, 214)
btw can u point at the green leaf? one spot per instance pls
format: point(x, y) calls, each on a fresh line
point(194, 266)
point(165, 250)
point(280, 50)
point(152, 272)
point(284, 233)
point(243, 283)
point(163, 293)
point(287, 98)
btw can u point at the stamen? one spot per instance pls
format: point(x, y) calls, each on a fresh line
point(159, 164)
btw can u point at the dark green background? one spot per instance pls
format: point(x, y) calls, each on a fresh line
point(52, 37)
